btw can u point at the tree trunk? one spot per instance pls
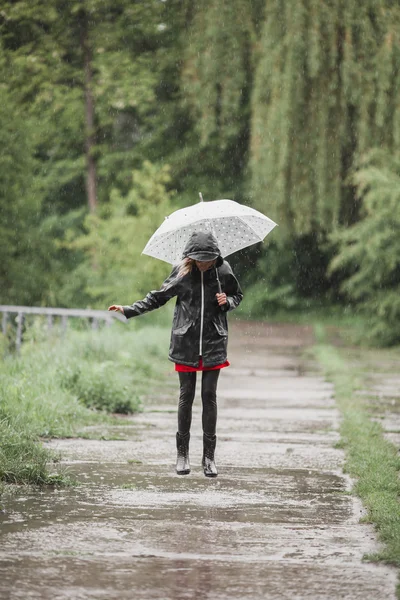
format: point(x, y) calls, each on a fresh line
point(89, 116)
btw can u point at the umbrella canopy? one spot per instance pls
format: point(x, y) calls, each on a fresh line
point(234, 225)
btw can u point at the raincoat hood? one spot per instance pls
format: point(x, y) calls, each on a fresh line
point(203, 246)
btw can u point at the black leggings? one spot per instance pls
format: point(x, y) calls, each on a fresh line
point(209, 383)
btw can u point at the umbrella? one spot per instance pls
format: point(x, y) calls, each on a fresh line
point(234, 225)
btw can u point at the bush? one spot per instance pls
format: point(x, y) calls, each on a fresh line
point(370, 249)
point(113, 240)
point(22, 458)
point(98, 386)
point(261, 300)
point(46, 391)
point(289, 277)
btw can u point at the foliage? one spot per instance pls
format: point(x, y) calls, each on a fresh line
point(19, 202)
point(45, 68)
point(325, 90)
point(46, 391)
point(370, 249)
point(214, 84)
point(22, 459)
point(216, 89)
point(113, 269)
point(98, 386)
point(288, 278)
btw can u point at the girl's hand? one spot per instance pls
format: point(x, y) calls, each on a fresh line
point(116, 308)
point(221, 298)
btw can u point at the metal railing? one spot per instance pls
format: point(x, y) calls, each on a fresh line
point(65, 313)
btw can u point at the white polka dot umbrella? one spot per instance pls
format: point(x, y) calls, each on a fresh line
point(234, 225)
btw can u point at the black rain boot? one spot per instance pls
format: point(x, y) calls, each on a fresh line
point(208, 462)
point(182, 460)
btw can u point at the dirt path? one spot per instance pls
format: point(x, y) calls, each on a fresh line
point(276, 524)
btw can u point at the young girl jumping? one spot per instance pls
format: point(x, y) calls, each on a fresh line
point(199, 336)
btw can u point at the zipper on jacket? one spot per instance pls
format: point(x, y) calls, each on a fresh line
point(201, 315)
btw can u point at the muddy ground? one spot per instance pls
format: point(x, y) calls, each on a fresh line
point(277, 523)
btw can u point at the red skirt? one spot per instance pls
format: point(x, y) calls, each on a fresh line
point(186, 369)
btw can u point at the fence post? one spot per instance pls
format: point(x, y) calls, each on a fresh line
point(49, 323)
point(20, 320)
point(4, 323)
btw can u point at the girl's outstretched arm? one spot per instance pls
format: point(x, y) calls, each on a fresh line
point(154, 299)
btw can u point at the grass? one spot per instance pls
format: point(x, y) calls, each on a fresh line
point(371, 460)
point(22, 459)
point(58, 386)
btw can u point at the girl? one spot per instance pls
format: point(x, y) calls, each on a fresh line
point(199, 335)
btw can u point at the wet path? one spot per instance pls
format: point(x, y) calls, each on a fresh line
point(276, 524)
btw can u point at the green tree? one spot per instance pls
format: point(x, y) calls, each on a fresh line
point(216, 76)
point(217, 69)
point(48, 48)
point(369, 251)
point(115, 237)
point(325, 91)
point(21, 249)
point(86, 74)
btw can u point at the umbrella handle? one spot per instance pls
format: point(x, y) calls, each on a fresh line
point(218, 281)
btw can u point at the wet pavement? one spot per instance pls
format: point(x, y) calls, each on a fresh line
point(277, 523)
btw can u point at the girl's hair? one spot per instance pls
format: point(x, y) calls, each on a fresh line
point(185, 266)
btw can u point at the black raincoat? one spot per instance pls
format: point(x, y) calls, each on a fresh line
point(200, 326)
